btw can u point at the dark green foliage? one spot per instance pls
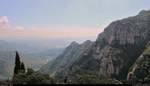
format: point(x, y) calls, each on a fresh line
point(130, 54)
point(147, 79)
point(15, 70)
point(142, 69)
point(65, 79)
point(140, 73)
point(30, 71)
point(22, 67)
point(85, 78)
point(17, 64)
point(17, 61)
point(20, 78)
point(32, 77)
point(37, 78)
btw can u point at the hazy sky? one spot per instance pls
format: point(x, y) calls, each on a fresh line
point(63, 18)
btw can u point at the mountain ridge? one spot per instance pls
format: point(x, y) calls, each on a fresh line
point(115, 49)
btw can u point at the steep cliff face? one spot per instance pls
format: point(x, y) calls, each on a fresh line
point(113, 52)
point(127, 31)
point(117, 48)
point(65, 60)
point(123, 41)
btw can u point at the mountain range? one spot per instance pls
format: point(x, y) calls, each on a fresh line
point(120, 53)
point(115, 50)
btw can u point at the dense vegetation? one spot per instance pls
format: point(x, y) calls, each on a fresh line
point(142, 71)
point(32, 77)
point(29, 77)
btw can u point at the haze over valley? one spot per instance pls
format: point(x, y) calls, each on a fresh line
point(75, 42)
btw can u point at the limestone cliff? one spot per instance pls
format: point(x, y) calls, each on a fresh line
point(117, 48)
point(121, 43)
point(113, 52)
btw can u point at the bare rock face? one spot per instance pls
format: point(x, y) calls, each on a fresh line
point(110, 63)
point(128, 31)
point(113, 52)
point(117, 48)
point(113, 47)
point(62, 63)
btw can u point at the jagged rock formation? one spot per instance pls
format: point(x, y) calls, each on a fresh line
point(65, 60)
point(121, 43)
point(117, 48)
point(113, 52)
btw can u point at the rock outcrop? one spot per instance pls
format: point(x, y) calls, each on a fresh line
point(117, 48)
point(67, 58)
point(113, 52)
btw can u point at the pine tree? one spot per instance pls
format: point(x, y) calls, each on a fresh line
point(22, 67)
point(17, 64)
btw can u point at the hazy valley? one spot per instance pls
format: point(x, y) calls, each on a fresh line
point(75, 42)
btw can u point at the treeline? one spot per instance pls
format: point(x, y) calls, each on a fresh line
point(24, 75)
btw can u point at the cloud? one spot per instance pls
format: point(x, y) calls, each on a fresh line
point(3, 19)
point(4, 23)
point(9, 30)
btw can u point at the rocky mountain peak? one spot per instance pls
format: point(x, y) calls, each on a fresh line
point(74, 43)
point(62, 63)
point(88, 41)
point(130, 30)
point(113, 52)
point(144, 12)
point(121, 43)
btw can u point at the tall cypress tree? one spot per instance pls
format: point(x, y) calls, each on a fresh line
point(17, 64)
point(22, 67)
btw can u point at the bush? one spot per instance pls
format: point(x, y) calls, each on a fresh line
point(32, 77)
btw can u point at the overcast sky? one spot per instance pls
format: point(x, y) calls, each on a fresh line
point(63, 18)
